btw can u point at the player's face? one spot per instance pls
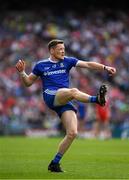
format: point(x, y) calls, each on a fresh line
point(58, 52)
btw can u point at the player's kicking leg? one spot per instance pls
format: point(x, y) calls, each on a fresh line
point(64, 95)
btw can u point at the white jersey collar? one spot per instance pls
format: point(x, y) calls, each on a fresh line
point(53, 61)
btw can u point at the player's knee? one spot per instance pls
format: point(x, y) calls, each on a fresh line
point(72, 135)
point(74, 92)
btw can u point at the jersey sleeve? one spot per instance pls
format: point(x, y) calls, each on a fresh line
point(36, 70)
point(72, 62)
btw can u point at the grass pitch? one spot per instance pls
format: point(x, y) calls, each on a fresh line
point(28, 158)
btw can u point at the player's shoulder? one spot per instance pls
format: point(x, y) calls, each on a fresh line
point(68, 58)
point(42, 61)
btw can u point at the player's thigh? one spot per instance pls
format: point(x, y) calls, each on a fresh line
point(63, 96)
point(69, 120)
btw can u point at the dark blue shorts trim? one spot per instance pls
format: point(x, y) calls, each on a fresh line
point(49, 100)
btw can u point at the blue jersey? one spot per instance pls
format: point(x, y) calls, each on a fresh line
point(54, 75)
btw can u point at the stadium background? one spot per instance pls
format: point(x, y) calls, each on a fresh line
point(91, 30)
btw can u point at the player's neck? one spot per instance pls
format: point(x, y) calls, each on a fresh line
point(53, 59)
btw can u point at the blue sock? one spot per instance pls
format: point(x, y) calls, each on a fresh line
point(57, 158)
point(93, 99)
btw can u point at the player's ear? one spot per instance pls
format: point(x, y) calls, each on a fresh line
point(51, 51)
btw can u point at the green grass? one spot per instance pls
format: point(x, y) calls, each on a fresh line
point(28, 158)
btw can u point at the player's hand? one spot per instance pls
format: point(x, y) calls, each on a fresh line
point(20, 66)
point(111, 70)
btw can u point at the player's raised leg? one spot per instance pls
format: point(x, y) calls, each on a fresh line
point(65, 95)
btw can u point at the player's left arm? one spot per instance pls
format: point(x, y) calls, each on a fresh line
point(96, 66)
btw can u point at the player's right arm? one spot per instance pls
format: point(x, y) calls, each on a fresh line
point(27, 80)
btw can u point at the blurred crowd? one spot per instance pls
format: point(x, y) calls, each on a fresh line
point(96, 35)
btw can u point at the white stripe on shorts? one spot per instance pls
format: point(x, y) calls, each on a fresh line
point(51, 92)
